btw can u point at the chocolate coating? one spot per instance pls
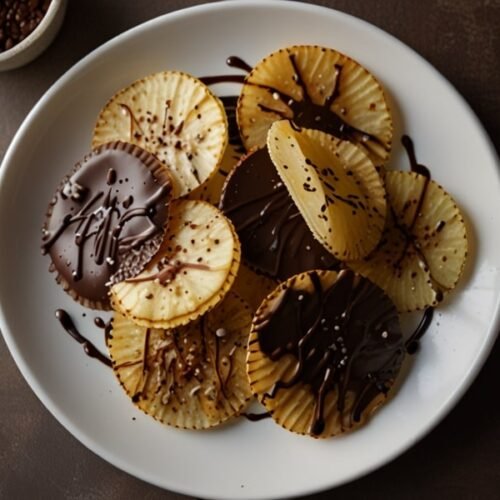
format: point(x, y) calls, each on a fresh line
point(274, 236)
point(107, 220)
point(346, 338)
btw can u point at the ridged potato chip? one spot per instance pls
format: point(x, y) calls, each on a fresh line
point(319, 88)
point(175, 117)
point(192, 272)
point(335, 186)
point(252, 287)
point(423, 249)
point(191, 377)
point(324, 351)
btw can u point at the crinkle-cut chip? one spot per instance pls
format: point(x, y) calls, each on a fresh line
point(335, 186)
point(253, 287)
point(318, 88)
point(211, 190)
point(294, 404)
point(423, 249)
point(175, 117)
point(191, 377)
point(194, 269)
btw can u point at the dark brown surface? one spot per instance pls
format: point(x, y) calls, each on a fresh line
point(458, 460)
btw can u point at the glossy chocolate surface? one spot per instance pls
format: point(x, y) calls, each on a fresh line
point(107, 219)
point(346, 338)
point(274, 236)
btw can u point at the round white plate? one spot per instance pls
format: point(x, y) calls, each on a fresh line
point(242, 460)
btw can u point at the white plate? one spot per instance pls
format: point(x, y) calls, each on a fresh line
point(242, 460)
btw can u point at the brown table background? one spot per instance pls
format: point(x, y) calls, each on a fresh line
point(459, 459)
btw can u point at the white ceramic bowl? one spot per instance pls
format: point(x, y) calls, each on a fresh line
point(38, 40)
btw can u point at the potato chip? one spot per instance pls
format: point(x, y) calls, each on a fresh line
point(175, 117)
point(423, 249)
point(252, 287)
point(324, 351)
point(316, 88)
point(335, 186)
point(191, 273)
point(192, 377)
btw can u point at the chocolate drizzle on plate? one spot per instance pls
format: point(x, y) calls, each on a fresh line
point(346, 338)
point(238, 62)
point(410, 151)
point(107, 326)
point(412, 343)
point(233, 62)
point(256, 417)
point(89, 348)
point(274, 235)
point(114, 203)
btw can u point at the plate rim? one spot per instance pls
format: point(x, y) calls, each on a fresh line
point(5, 167)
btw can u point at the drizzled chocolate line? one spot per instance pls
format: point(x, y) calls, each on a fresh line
point(217, 367)
point(107, 326)
point(134, 122)
point(233, 62)
point(256, 417)
point(410, 151)
point(70, 328)
point(212, 80)
point(412, 343)
point(168, 273)
point(346, 339)
point(143, 361)
point(169, 135)
point(238, 62)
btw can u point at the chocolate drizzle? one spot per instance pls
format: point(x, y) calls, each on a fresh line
point(407, 230)
point(212, 80)
point(410, 151)
point(107, 326)
point(256, 417)
point(274, 236)
point(346, 338)
point(233, 62)
point(114, 203)
point(412, 343)
point(89, 348)
point(238, 62)
point(168, 272)
point(136, 131)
